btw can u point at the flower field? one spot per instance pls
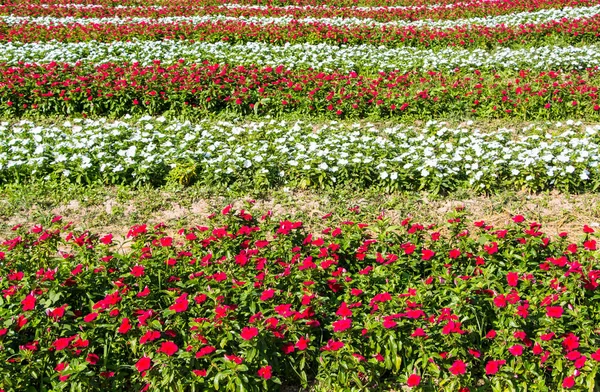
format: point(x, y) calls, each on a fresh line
point(249, 303)
point(358, 108)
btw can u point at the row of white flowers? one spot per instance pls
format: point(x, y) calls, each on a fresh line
point(318, 56)
point(279, 152)
point(514, 19)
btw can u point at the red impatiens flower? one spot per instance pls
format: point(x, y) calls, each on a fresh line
point(62, 343)
point(500, 300)
point(249, 332)
point(234, 358)
point(28, 303)
point(302, 343)
point(516, 350)
point(342, 325)
point(267, 294)
point(458, 367)
point(92, 359)
point(169, 348)
point(200, 373)
point(143, 364)
point(205, 351)
point(492, 367)
point(413, 380)
point(265, 372)
point(596, 355)
point(137, 271)
point(332, 345)
point(125, 326)
point(554, 311)
point(568, 382)
point(90, 317)
point(427, 254)
point(181, 303)
point(512, 278)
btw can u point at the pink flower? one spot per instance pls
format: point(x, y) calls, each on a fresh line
point(265, 372)
point(249, 332)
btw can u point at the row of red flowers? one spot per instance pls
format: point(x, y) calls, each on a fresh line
point(473, 9)
point(347, 3)
point(559, 32)
point(197, 89)
point(246, 302)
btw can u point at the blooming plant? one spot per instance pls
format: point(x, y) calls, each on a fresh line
point(247, 303)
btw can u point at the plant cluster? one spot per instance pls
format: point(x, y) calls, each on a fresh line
point(247, 303)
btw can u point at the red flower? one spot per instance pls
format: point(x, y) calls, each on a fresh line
point(137, 271)
point(413, 380)
point(491, 334)
point(28, 303)
point(144, 293)
point(205, 351)
point(62, 343)
point(332, 345)
point(568, 382)
point(596, 355)
point(427, 254)
point(143, 364)
point(92, 359)
point(181, 303)
point(341, 325)
point(518, 218)
point(267, 294)
point(169, 348)
point(302, 343)
point(516, 350)
point(234, 358)
point(500, 301)
point(90, 317)
point(492, 367)
point(125, 326)
point(458, 367)
point(265, 372)
point(200, 373)
point(249, 332)
point(512, 278)
point(554, 311)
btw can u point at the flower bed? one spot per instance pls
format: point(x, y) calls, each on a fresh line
point(435, 12)
point(365, 59)
point(573, 26)
point(250, 303)
point(196, 90)
point(435, 157)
